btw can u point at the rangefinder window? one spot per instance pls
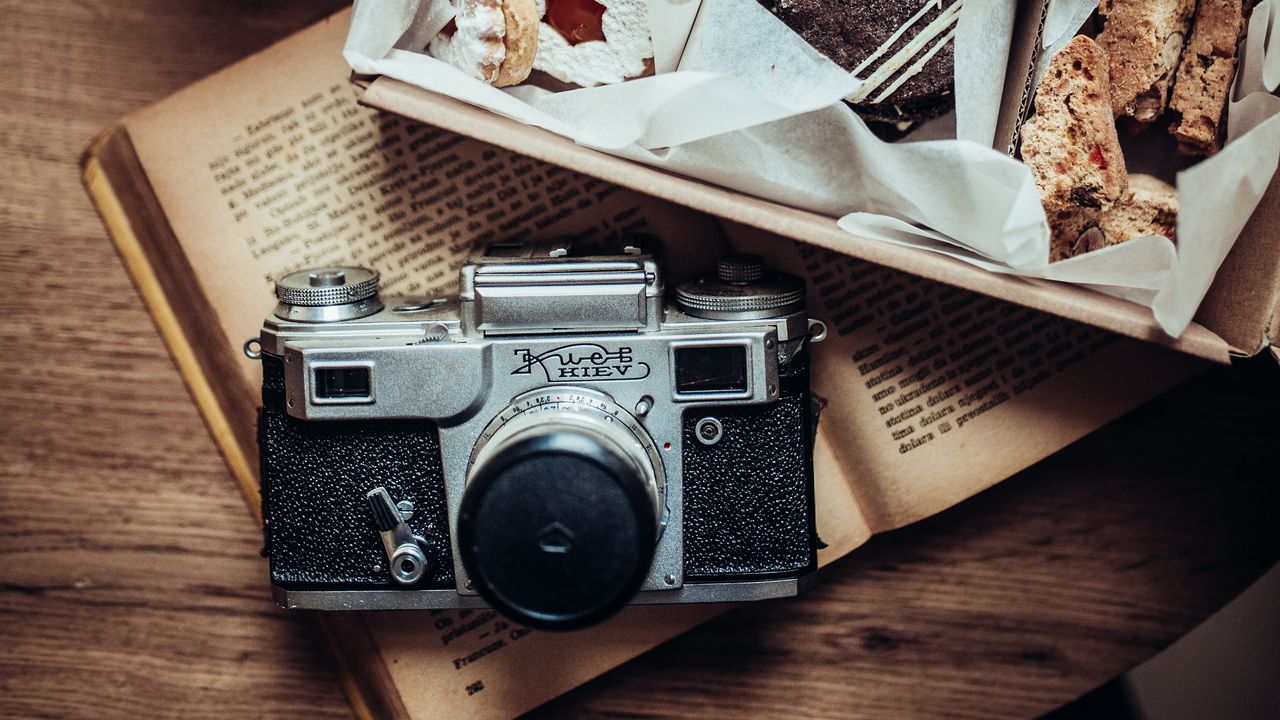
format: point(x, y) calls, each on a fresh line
point(505, 249)
point(717, 369)
point(342, 383)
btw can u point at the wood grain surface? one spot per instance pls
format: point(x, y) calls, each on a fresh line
point(130, 581)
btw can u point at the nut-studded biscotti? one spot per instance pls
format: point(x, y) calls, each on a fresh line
point(1071, 144)
point(1074, 231)
point(1143, 40)
point(1150, 207)
point(1205, 75)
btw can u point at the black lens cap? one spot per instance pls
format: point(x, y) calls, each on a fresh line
point(557, 531)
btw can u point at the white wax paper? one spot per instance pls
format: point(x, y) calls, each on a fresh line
point(1216, 198)
point(740, 67)
point(754, 108)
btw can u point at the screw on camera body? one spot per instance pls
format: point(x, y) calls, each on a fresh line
point(709, 431)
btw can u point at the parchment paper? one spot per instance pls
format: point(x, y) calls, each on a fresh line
point(754, 108)
point(1216, 198)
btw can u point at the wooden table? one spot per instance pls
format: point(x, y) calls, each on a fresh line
point(130, 581)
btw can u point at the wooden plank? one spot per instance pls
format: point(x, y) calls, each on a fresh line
point(130, 581)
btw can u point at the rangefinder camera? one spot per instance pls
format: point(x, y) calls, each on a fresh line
point(559, 440)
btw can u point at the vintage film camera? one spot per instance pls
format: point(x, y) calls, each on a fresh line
point(558, 441)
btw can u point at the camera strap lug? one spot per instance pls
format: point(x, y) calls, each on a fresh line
point(408, 562)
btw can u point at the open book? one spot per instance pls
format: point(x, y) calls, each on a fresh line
point(931, 393)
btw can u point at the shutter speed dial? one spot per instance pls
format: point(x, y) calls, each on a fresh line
point(742, 290)
point(328, 294)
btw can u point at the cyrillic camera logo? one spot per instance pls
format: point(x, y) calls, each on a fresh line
point(582, 361)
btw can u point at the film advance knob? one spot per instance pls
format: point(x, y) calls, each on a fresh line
point(557, 531)
point(328, 294)
point(741, 290)
point(740, 268)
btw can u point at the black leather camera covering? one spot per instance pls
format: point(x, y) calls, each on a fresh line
point(315, 476)
point(748, 499)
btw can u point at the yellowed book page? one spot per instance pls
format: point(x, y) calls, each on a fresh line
point(270, 165)
point(935, 393)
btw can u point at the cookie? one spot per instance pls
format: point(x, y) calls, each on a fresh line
point(491, 40)
point(589, 43)
point(902, 49)
point(1071, 143)
point(1074, 231)
point(1149, 207)
point(1205, 75)
point(520, 41)
point(1143, 40)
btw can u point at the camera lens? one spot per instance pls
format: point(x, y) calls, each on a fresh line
point(557, 529)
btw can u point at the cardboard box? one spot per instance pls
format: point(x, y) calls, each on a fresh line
point(1238, 316)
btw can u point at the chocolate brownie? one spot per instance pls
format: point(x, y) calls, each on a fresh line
point(902, 48)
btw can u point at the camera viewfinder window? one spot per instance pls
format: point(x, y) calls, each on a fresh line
point(505, 249)
point(711, 369)
point(342, 382)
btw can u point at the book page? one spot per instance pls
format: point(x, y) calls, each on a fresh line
point(934, 393)
point(271, 165)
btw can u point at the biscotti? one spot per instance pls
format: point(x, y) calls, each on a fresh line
point(1205, 75)
point(1071, 143)
point(1149, 208)
point(1143, 40)
point(1074, 231)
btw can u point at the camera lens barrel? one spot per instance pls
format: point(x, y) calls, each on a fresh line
point(557, 530)
point(561, 512)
